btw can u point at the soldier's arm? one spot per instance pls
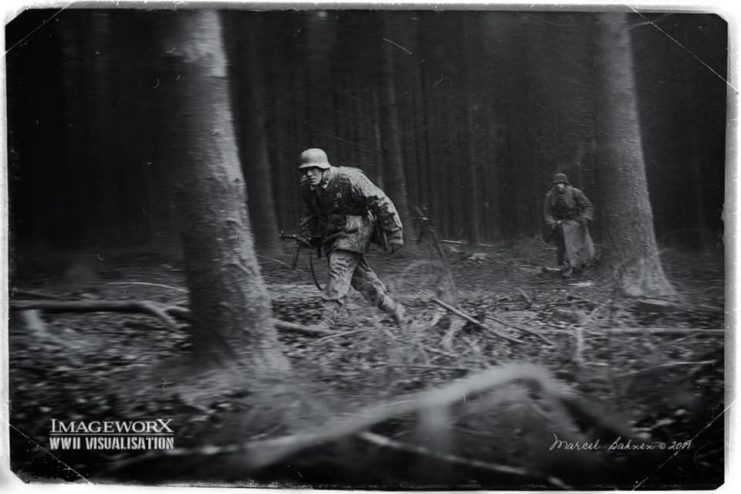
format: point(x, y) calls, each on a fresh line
point(308, 222)
point(585, 205)
point(378, 203)
point(550, 220)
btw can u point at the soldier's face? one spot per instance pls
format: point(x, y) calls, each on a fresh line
point(561, 187)
point(314, 175)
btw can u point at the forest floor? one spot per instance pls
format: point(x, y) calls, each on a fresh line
point(667, 387)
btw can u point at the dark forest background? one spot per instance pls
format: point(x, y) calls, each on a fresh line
point(477, 110)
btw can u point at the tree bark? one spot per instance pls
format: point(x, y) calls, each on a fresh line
point(230, 308)
point(630, 250)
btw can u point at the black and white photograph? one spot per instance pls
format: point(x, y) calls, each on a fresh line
point(376, 247)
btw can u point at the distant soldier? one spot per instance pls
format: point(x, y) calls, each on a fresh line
point(567, 211)
point(345, 212)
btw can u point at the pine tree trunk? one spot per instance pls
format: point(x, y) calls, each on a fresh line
point(228, 300)
point(253, 140)
point(630, 249)
point(393, 165)
point(472, 186)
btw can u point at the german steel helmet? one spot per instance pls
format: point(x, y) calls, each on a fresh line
point(560, 178)
point(314, 158)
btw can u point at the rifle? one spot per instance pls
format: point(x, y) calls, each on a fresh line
point(301, 242)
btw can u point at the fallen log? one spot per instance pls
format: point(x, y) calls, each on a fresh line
point(468, 318)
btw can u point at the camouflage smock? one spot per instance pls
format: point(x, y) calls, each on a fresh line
point(347, 211)
point(572, 204)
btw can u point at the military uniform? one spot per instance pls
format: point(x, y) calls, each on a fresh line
point(566, 213)
point(346, 212)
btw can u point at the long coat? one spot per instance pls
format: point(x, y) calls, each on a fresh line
point(567, 214)
point(348, 212)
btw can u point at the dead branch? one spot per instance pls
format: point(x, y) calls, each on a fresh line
point(447, 341)
point(127, 306)
point(292, 327)
point(34, 293)
point(618, 331)
point(385, 442)
point(668, 365)
point(142, 283)
point(255, 455)
point(35, 325)
point(468, 318)
point(337, 335)
point(524, 330)
point(160, 311)
point(528, 300)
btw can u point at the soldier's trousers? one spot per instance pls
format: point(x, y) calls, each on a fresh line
point(348, 269)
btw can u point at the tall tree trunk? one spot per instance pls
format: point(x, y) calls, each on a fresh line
point(472, 198)
point(630, 249)
point(393, 164)
point(229, 303)
point(253, 139)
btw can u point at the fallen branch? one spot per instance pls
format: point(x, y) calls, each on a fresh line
point(385, 442)
point(127, 306)
point(255, 455)
point(35, 326)
point(524, 330)
point(468, 318)
point(527, 299)
point(665, 330)
point(667, 365)
point(336, 335)
point(142, 283)
point(164, 313)
point(656, 331)
point(292, 327)
point(34, 293)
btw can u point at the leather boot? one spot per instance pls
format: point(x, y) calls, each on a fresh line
point(329, 316)
point(394, 309)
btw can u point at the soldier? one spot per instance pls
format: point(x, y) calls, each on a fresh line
point(345, 212)
point(567, 211)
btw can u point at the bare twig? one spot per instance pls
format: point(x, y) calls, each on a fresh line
point(618, 331)
point(668, 365)
point(337, 335)
point(528, 300)
point(33, 293)
point(385, 442)
point(524, 330)
point(468, 318)
point(142, 283)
